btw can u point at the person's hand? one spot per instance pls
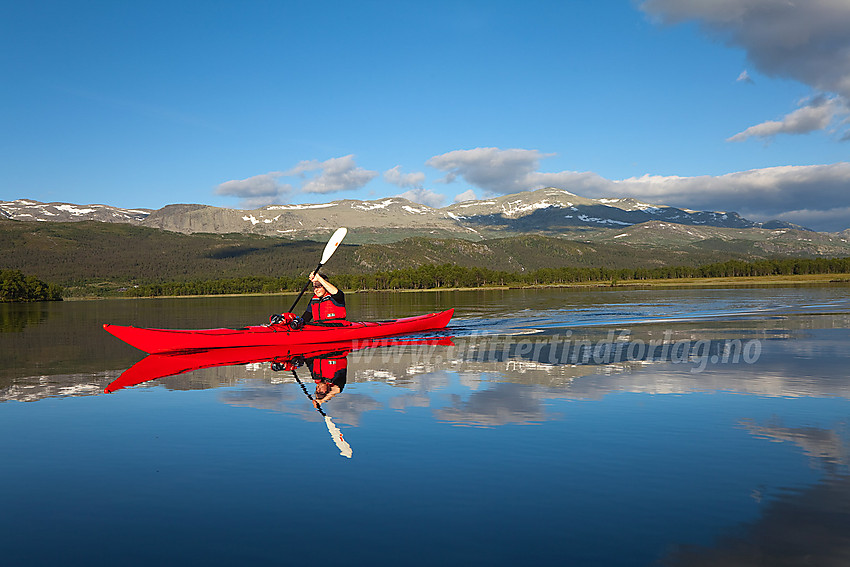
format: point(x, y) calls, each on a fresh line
point(316, 404)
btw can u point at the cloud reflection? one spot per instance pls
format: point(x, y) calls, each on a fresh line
point(502, 404)
point(801, 527)
point(796, 527)
point(825, 447)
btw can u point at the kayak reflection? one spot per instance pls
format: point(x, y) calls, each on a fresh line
point(156, 366)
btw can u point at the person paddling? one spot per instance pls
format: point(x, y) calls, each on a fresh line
point(334, 308)
point(327, 306)
point(327, 303)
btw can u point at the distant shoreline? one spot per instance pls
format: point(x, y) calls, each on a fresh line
point(798, 279)
point(738, 281)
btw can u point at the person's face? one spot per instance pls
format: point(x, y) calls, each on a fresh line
point(322, 388)
point(318, 289)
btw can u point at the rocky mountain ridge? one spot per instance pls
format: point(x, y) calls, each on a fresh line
point(29, 210)
point(549, 211)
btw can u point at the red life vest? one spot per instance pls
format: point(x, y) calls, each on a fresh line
point(326, 308)
point(324, 369)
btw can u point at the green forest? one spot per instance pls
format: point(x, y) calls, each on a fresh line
point(450, 275)
point(15, 286)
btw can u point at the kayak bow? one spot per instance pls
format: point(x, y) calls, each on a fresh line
point(171, 340)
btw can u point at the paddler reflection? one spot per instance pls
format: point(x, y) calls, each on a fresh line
point(329, 372)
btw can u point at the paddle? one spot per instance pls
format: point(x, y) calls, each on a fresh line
point(336, 434)
point(330, 248)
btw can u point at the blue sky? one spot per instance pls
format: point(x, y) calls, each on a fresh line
point(723, 105)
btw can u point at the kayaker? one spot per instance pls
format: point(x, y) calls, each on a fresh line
point(327, 303)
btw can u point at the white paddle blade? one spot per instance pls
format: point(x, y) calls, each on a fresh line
point(336, 435)
point(332, 244)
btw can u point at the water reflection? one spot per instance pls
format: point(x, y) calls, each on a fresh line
point(327, 364)
point(587, 365)
point(16, 319)
point(826, 448)
point(799, 526)
point(323, 361)
point(630, 438)
point(329, 373)
point(501, 404)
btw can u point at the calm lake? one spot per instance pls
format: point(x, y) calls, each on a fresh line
point(598, 427)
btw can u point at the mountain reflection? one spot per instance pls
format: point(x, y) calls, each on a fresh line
point(807, 365)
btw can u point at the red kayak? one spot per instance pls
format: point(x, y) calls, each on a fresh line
point(171, 340)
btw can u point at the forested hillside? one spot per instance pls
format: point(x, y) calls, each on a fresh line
point(432, 276)
point(73, 253)
point(92, 256)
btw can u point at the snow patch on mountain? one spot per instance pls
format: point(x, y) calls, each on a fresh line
point(414, 210)
point(520, 208)
point(27, 209)
point(372, 205)
point(300, 207)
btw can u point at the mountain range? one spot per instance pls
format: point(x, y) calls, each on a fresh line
point(115, 248)
point(548, 212)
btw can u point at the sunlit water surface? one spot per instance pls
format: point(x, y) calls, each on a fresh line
point(583, 427)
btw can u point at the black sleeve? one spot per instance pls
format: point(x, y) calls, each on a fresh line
point(340, 378)
point(308, 315)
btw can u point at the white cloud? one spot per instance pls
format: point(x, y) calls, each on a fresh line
point(816, 115)
point(744, 77)
point(833, 220)
point(807, 40)
point(468, 195)
point(502, 172)
point(256, 191)
point(335, 174)
point(492, 169)
point(424, 196)
point(807, 195)
point(411, 180)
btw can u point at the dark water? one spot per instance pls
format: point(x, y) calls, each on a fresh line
point(595, 427)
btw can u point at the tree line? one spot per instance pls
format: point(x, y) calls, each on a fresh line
point(15, 286)
point(432, 276)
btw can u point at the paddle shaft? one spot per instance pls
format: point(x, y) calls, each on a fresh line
point(304, 388)
point(330, 248)
point(336, 434)
point(306, 285)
